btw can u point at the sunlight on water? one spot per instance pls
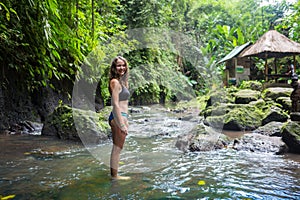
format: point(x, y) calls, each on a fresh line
point(157, 169)
point(138, 156)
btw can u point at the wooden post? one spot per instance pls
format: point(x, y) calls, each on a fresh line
point(275, 65)
point(235, 64)
point(227, 77)
point(294, 63)
point(266, 69)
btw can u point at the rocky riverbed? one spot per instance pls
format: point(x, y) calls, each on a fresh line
point(261, 114)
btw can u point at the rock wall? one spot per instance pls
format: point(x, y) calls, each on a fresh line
point(18, 104)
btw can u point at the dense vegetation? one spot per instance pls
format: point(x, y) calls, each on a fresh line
point(47, 41)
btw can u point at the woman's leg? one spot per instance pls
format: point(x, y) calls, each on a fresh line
point(118, 141)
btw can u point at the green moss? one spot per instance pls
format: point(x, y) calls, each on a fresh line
point(293, 128)
point(253, 85)
point(198, 102)
point(65, 117)
point(248, 93)
point(62, 117)
point(86, 119)
point(245, 115)
point(260, 103)
point(274, 93)
point(216, 121)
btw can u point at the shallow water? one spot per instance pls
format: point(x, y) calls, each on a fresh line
point(34, 167)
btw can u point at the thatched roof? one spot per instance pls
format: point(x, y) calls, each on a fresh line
point(272, 44)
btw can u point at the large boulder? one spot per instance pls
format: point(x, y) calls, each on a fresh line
point(260, 143)
point(275, 114)
point(295, 116)
point(249, 110)
point(253, 85)
point(285, 102)
point(260, 103)
point(276, 92)
point(219, 96)
point(270, 129)
point(246, 95)
point(74, 124)
point(291, 136)
point(201, 138)
point(236, 117)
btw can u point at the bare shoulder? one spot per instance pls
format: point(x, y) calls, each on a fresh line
point(114, 83)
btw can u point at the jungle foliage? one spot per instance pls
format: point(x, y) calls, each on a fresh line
point(46, 41)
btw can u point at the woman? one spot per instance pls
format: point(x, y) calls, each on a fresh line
point(118, 88)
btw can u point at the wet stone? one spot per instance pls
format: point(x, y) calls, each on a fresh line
point(295, 116)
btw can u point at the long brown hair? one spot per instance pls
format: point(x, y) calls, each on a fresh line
point(114, 74)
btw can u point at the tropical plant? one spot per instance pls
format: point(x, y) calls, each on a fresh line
point(49, 41)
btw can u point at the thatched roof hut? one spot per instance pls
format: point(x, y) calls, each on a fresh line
point(272, 44)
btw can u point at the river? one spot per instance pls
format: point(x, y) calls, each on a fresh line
point(36, 167)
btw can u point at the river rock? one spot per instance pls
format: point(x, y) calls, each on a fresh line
point(220, 96)
point(26, 128)
point(251, 84)
point(275, 114)
point(201, 138)
point(260, 143)
point(270, 129)
point(260, 103)
point(285, 102)
point(135, 110)
point(236, 117)
point(276, 92)
point(295, 116)
point(245, 96)
point(74, 124)
point(291, 136)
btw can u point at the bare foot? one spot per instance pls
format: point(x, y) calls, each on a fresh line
point(121, 178)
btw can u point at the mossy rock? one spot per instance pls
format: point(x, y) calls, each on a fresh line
point(220, 109)
point(60, 123)
point(216, 122)
point(219, 96)
point(260, 103)
point(75, 124)
point(285, 102)
point(254, 142)
point(246, 95)
point(199, 102)
point(295, 116)
point(216, 110)
point(275, 114)
point(202, 138)
point(276, 92)
point(237, 117)
point(291, 136)
point(270, 129)
point(253, 85)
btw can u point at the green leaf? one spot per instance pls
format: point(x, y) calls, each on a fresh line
point(241, 39)
point(8, 16)
point(56, 54)
point(13, 11)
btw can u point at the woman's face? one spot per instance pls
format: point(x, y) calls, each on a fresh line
point(121, 67)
